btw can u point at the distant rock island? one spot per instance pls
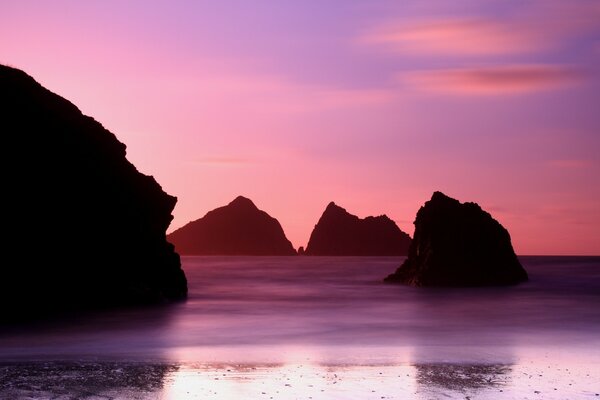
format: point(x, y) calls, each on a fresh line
point(83, 228)
point(238, 228)
point(458, 244)
point(339, 233)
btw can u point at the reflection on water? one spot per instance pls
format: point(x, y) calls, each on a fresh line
point(291, 381)
point(223, 381)
point(324, 328)
point(263, 302)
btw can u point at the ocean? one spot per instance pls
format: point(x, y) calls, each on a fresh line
point(323, 328)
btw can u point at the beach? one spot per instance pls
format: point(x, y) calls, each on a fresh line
point(323, 328)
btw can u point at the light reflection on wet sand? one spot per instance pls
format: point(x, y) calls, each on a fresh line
point(230, 381)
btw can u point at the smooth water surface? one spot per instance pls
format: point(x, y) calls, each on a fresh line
point(325, 327)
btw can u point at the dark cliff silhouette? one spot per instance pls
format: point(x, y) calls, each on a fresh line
point(458, 244)
point(339, 233)
point(238, 228)
point(83, 228)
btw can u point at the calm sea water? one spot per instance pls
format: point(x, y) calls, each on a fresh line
point(266, 319)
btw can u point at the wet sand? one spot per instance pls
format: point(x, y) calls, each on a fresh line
point(323, 328)
point(124, 380)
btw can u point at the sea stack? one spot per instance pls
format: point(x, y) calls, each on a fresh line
point(238, 228)
point(339, 233)
point(458, 244)
point(83, 228)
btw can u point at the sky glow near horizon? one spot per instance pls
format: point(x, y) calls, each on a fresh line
point(371, 104)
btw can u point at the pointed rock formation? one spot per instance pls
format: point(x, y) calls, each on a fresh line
point(238, 228)
point(339, 233)
point(458, 244)
point(83, 227)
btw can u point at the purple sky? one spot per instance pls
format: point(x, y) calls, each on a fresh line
point(371, 104)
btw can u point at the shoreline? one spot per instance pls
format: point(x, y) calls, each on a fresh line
point(147, 380)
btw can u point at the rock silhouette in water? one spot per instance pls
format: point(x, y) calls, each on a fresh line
point(238, 228)
point(458, 244)
point(339, 233)
point(82, 226)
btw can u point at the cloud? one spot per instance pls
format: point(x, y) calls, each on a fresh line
point(512, 79)
point(454, 37)
point(536, 26)
point(221, 161)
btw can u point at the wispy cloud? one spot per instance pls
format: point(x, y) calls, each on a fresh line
point(512, 79)
point(541, 26)
point(454, 37)
point(493, 53)
point(221, 161)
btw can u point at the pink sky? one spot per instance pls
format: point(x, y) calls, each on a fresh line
point(371, 104)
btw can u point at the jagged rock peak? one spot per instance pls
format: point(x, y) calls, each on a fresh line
point(242, 201)
point(239, 228)
point(342, 234)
